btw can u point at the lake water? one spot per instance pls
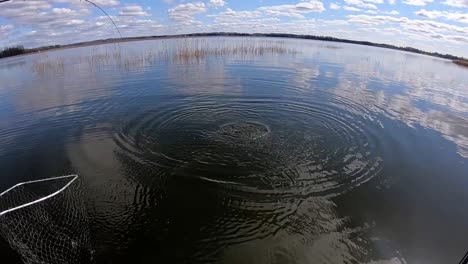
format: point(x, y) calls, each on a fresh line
point(247, 150)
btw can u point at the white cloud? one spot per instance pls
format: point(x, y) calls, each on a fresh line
point(393, 12)
point(361, 4)
point(14, 9)
point(216, 3)
point(375, 20)
point(184, 13)
point(144, 25)
point(189, 8)
point(417, 2)
point(106, 2)
point(453, 16)
point(5, 31)
point(62, 11)
point(456, 3)
point(334, 6)
point(392, 2)
point(42, 22)
point(333, 22)
point(81, 3)
point(310, 6)
point(374, 1)
point(39, 14)
point(133, 10)
point(458, 38)
point(6, 27)
point(351, 8)
point(428, 14)
point(422, 30)
point(294, 10)
point(231, 16)
point(75, 22)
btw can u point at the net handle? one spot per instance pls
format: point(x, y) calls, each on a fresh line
point(73, 176)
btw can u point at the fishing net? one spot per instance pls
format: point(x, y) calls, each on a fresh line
point(45, 221)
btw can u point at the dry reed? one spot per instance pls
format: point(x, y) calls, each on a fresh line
point(184, 51)
point(461, 62)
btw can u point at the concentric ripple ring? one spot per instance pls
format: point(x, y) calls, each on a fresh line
point(324, 148)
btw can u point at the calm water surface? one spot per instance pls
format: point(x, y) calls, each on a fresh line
point(247, 150)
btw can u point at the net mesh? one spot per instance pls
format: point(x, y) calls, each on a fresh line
point(46, 222)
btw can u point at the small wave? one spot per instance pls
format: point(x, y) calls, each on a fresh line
point(287, 147)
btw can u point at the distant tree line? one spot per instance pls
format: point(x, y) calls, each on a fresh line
point(333, 39)
point(12, 51)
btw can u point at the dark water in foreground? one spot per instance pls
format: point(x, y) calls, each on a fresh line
point(280, 151)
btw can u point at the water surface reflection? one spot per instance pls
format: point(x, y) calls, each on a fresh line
point(233, 150)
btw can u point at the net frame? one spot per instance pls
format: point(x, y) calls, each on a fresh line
point(50, 227)
point(73, 176)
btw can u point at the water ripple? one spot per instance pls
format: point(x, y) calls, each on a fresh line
point(280, 147)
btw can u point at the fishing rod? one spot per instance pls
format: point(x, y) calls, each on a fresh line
point(465, 259)
point(94, 4)
point(104, 11)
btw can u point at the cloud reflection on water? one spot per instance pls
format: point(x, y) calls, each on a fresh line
point(374, 83)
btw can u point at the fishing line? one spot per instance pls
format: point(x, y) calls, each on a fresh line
point(100, 8)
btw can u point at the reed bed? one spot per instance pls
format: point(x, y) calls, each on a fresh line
point(183, 51)
point(198, 53)
point(48, 66)
point(461, 62)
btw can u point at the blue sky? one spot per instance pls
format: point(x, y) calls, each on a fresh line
point(426, 24)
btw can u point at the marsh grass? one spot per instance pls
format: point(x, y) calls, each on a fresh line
point(183, 51)
point(245, 50)
point(461, 62)
point(45, 66)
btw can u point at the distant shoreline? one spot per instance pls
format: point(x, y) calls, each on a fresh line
point(461, 62)
point(458, 60)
